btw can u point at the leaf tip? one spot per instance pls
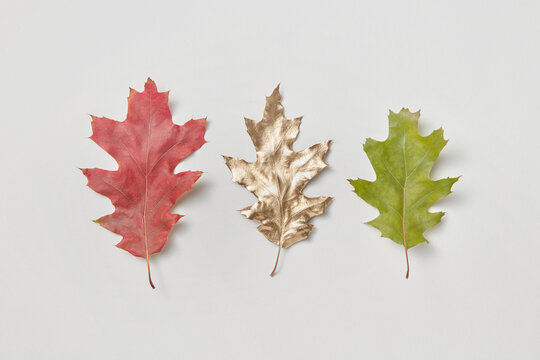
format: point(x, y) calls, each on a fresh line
point(150, 85)
point(131, 93)
point(276, 93)
point(198, 174)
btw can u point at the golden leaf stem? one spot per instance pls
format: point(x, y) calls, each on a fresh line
point(277, 260)
point(280, 196)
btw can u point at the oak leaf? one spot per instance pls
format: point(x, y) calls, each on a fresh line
point(403, 190)
point(147, 147)
point(278, 176)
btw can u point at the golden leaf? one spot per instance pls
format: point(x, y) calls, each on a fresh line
point(278, 177)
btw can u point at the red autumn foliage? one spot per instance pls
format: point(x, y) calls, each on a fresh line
point(147, 147)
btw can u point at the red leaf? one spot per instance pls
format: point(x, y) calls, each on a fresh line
point(147, 147)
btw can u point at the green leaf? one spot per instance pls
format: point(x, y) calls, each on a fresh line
point(403, 191)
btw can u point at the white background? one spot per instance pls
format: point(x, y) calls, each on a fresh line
point(471, 66)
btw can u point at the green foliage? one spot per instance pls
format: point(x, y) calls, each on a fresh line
point(403, 191)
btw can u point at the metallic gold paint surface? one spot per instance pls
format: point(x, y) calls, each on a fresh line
point(279, 175)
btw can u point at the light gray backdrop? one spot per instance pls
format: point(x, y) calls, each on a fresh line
point(471, 66)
